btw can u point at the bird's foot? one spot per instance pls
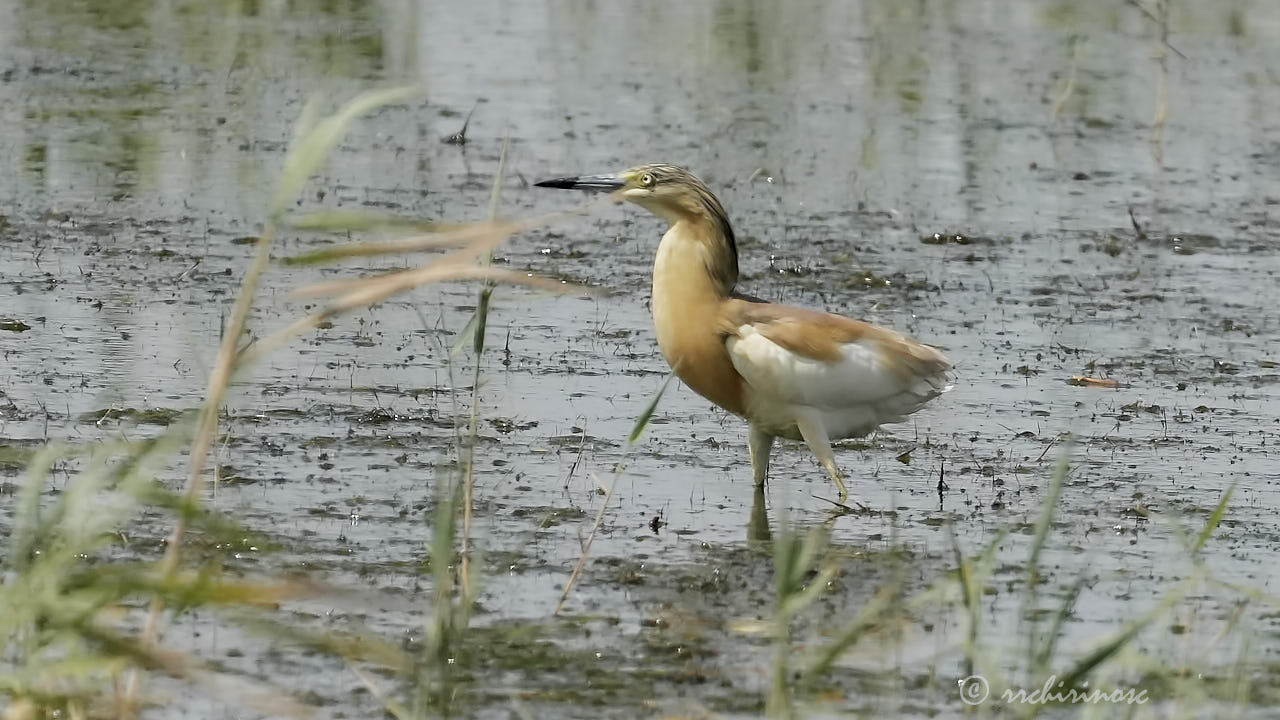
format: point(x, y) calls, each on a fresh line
point(844, 508)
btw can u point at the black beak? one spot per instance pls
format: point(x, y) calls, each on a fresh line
point(593, 183)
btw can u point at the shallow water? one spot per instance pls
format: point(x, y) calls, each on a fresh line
point(964, 174)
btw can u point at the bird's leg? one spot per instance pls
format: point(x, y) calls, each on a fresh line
point(815, 436)
point(758, 521)
point(759, 442)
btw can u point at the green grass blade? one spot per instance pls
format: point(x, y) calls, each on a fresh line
point(1044, 656)
point(308, 118)
point(1214, 520)
point(1048, 510)
point(962, 568)
point(468, 333)
point(495, 193)
point(969, 575)
point(794, 559)
point(642, 421)
point(868, 618)
point(481, 321)
point(316, 140)
point(786, 550)
point(1028, 623)
point(486, 293)
point(1122, 638)
point(27, 513)
point(967, 599)
point(476, 324)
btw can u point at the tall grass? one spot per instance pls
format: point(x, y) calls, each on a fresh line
point(65, 643)
point(315, 139)
point(479, 324)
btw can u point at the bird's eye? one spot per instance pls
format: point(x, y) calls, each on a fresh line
point(646, 180)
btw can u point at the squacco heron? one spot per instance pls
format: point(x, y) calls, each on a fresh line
point(789, 372)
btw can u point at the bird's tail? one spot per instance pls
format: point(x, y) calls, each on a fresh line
point(928, 376)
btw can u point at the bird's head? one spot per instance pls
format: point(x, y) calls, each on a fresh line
point(667, 191)
point(675, 195)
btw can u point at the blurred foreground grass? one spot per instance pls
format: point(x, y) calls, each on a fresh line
point(78, 632)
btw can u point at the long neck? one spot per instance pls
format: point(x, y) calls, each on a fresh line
point(691, 278)
point(696, 258)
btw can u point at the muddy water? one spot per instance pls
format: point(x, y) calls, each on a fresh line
point(992, 179)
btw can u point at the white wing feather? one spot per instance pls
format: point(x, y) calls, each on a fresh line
point(853, 394)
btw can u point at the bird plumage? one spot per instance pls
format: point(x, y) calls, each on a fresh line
point(857, 375)
point(790, 372)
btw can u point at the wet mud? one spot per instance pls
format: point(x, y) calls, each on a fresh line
point(1018, 183)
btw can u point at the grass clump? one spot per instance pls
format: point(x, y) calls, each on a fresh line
point(81, 631)
point(1013, 653)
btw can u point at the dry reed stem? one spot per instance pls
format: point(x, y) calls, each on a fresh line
point(1162, 84)
point(215, 684)
point(637, 430)
point(312, 145)
point(586, 547)
point(478, 240)
point(380, 291)
point(388, 703)
point(374, 290)
point(463, 235)
point(359, 292)
point(208, 423)
point(1069, 86)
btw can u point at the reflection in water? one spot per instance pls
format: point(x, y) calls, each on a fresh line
point(902, 105)
point(758, 521)
point(141, 90)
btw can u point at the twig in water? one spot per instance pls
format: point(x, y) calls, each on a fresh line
point(1052, 442)
point(636, 431)
point(1159, 21)
point(582, 444)
point(844, 508)
point(943, 487)
point(1137, 228)
point(586, 546)
point(460, 137)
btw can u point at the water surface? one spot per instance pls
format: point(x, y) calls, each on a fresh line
point(1019, 183)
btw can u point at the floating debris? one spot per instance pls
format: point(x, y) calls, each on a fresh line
point(13, 325)
point(507, 426)
point(142, 416)
point(460, 137)
point(1082, 381)
point(944, 239)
